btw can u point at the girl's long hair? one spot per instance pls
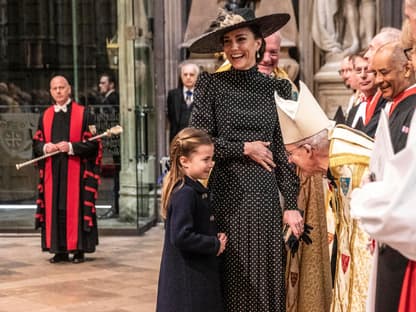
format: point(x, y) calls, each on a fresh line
point(183, 144)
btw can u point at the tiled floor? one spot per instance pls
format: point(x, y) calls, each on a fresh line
point(120, 276)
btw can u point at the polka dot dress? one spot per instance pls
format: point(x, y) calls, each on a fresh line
point(236, 107)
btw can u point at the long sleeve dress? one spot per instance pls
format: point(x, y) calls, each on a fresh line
point(235, 107)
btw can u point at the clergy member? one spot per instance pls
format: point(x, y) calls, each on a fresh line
point(68, 182)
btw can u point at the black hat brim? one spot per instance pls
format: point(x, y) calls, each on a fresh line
point(212, 42)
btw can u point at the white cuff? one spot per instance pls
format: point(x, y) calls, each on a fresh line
point(44, 147)
point(71, 150)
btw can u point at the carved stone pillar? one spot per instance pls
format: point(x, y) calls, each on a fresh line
point(128, 187)
point(306, 47)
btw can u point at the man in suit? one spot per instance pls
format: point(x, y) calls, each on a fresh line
point(107, 86)
point(180, 99)
point(110, 102)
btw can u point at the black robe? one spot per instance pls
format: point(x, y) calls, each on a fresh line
point(68, 184)
point(392, 264)
point(371, 127)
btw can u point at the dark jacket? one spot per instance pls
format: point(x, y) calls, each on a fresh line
point(178, 112)
point(189, 277)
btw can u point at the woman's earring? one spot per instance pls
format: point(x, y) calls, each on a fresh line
point(257, 54)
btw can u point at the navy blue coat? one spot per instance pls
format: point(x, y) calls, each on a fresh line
point(189, 276)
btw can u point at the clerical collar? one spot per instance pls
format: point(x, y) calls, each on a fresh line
point(63, 108)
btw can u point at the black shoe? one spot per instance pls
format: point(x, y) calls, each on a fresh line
point(78, 257)
point(109, 215)
point(59, 257)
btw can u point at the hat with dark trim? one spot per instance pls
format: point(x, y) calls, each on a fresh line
point(226, 21)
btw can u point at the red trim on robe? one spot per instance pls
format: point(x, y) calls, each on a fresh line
point(91, 205)
point(89, 219)
point(92, 190)
point(371, 107)
point(400, 97)
point(39, 216)
point(48, 179)
point(38, 136)
point(73, 179)
point(408, 294)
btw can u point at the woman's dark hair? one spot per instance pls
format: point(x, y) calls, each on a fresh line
point(255, 29)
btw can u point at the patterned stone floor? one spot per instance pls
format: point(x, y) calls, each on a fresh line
point(120, 276)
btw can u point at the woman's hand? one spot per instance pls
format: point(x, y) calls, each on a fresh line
point(294, 219)
point(260, 153)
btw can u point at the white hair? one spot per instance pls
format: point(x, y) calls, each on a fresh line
point(318, 141)
point(388, 34)
point(189, 64)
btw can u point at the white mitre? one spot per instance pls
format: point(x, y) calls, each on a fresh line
point(302, 118)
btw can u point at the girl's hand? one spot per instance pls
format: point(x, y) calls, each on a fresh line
point(223, 242)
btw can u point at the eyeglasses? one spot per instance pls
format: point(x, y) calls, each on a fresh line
point(408, 52)
point(290, 153)
point(366, 71)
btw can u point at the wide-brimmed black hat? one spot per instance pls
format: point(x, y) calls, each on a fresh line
point(226, 21)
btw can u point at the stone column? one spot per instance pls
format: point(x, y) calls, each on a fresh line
point(160, 68)
point(128, 183)
point(391, 13)
point(306, 46)
point(167, 57)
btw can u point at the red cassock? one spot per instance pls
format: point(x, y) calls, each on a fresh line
point(68, 183)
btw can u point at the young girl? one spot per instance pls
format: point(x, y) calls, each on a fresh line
point(189, 276)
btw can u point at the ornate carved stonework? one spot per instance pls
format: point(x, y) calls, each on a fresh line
point(339, 29)
point(16, 131)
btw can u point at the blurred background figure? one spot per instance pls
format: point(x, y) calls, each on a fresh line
point(110, 110)
point(180, 100)
point(107, 87)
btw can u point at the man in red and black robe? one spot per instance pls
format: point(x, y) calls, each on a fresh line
point(68, 180)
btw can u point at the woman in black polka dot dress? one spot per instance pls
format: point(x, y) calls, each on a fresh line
point(237, 109)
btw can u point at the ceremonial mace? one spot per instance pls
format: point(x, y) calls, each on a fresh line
point(116, 130)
